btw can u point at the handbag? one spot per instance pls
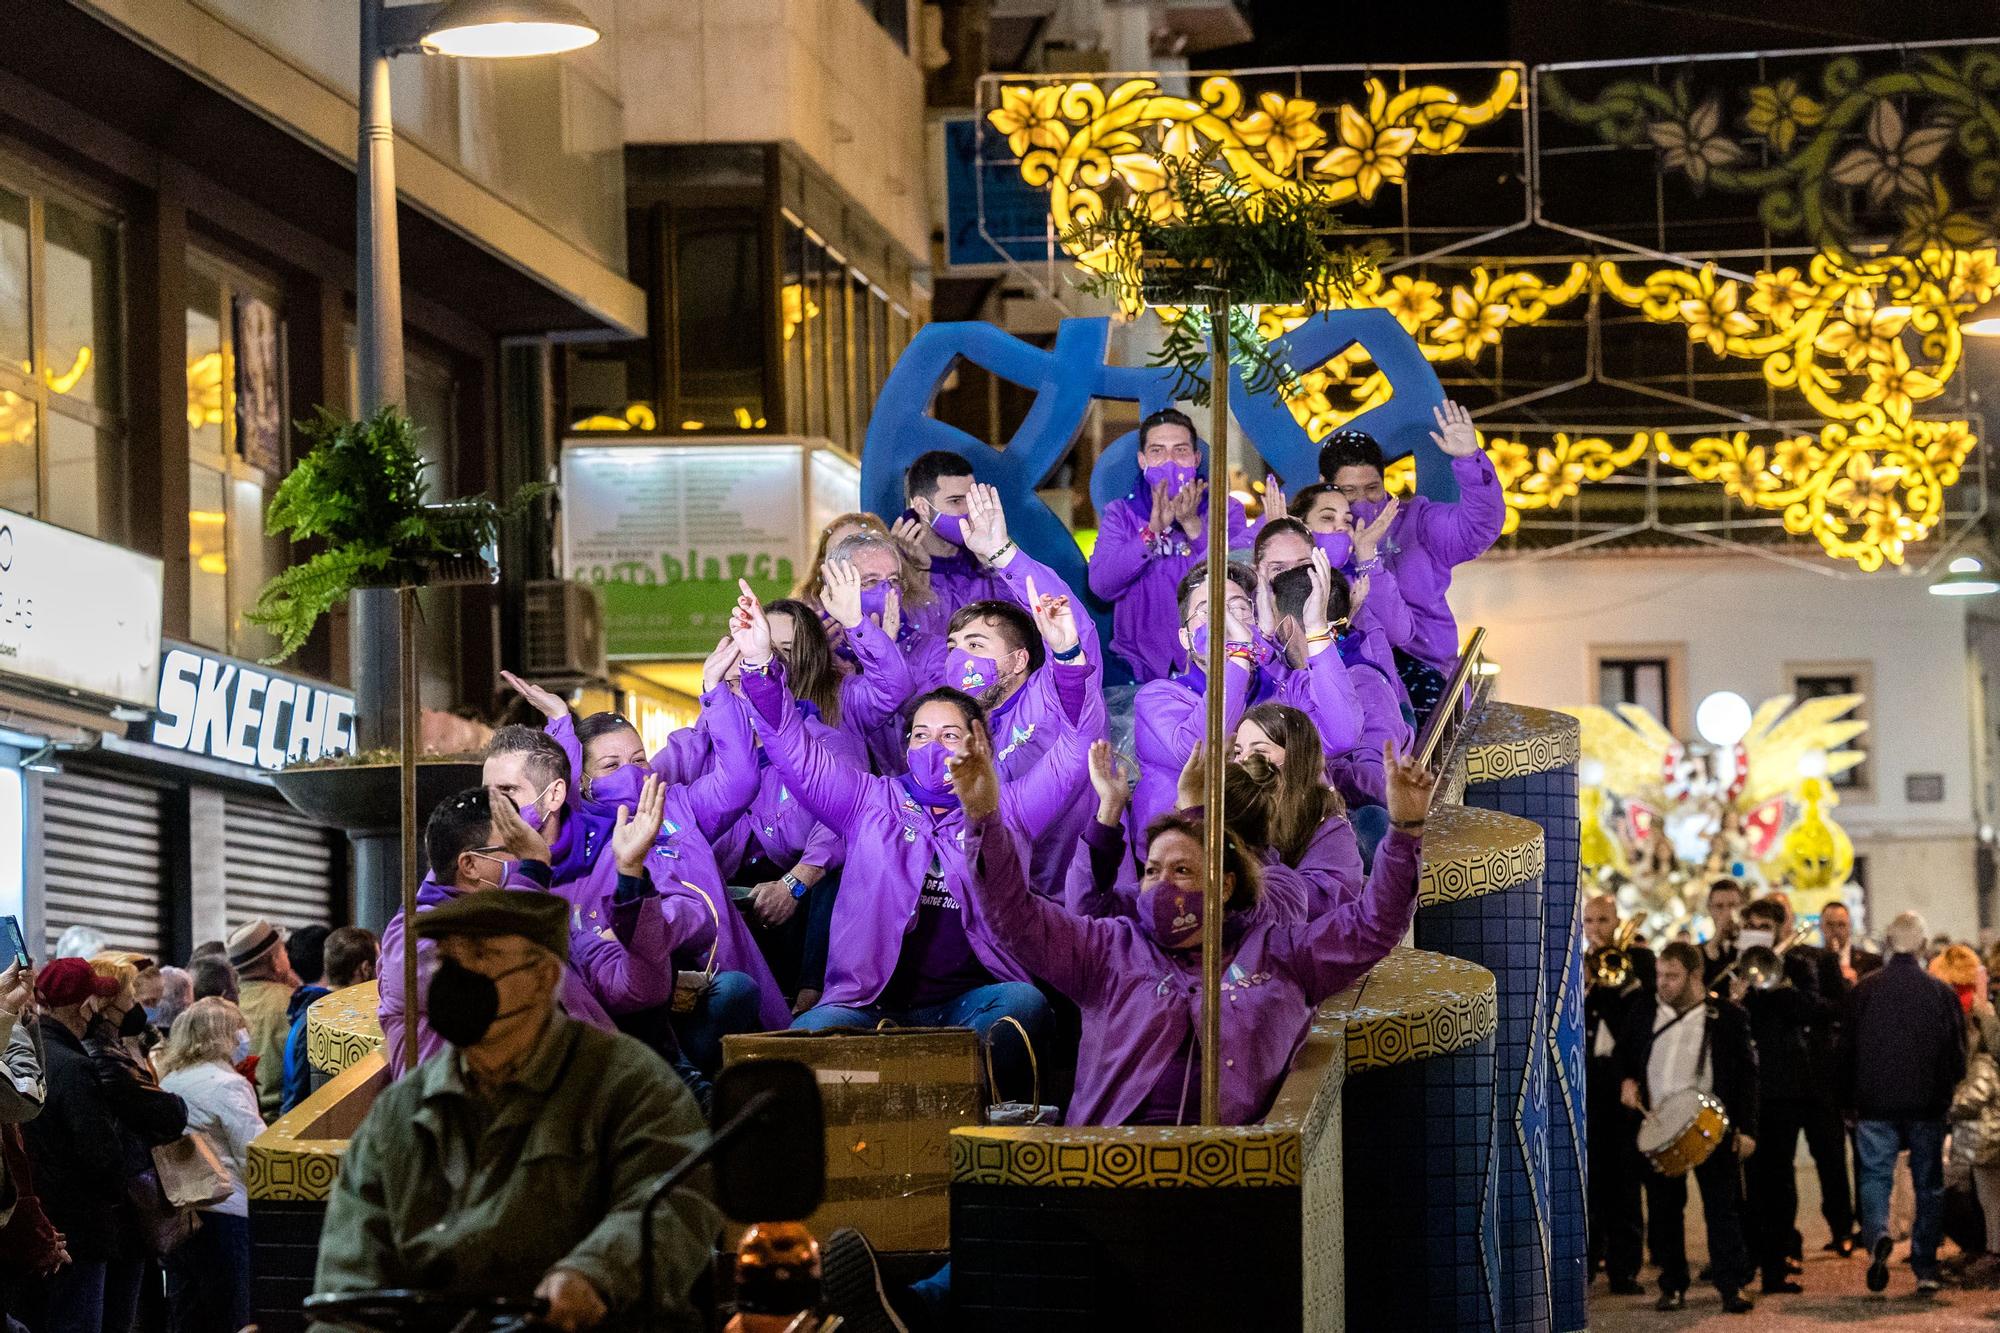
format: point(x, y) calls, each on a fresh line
point(191, 1172)
point(692, 988)
point(160, 1226)
point(1977, 1090)
point(1030, 1112)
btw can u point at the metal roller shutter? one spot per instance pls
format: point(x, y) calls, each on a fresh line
point(277, 864)
point(101, 862)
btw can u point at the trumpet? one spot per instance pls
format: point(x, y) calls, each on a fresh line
point(1612, 965)
point(1763, 966)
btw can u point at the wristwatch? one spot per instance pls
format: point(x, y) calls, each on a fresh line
point(794, 883)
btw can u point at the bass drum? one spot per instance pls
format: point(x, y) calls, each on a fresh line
point(1682, 1131)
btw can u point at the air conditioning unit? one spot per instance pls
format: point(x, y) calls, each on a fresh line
point(564, 633)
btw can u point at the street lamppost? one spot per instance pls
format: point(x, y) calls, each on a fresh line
point(469, 28)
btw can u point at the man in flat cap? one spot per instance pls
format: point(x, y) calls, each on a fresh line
point(517, 1160)
point(264, 971)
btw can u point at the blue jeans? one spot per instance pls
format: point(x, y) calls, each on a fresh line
point(979, 1009)
point(208, 1279)
point(1876, 1143)
point(729, 1007)
point(1371, 825)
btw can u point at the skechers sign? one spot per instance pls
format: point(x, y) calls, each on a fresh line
point(224, 709)
point(77, 615)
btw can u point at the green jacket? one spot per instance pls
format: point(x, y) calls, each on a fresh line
point(568, 1155)
point(266, 1007)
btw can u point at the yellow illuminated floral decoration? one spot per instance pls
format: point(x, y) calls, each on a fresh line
point(1865, 343)
point(1078, 141)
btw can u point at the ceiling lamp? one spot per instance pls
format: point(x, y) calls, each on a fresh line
point(506, 29)
point(1967, 577)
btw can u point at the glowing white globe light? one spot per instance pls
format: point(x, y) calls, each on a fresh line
point(1812, 764)
point(1723, 718)
point(1590, 772)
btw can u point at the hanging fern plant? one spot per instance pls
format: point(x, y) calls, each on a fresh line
point(360, 490)
point(1203, 233)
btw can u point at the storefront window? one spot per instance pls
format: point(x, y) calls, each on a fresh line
point(614, 386)
point(792, 311)
point(864, 352)
point(237, 448)
point(61, 372)
point(719, 323)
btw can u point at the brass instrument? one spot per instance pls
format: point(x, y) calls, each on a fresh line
point(1763, 966)
point(1612, 965)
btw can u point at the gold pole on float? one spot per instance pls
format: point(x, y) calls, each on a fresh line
point(1219, 376)
point(412, 1002)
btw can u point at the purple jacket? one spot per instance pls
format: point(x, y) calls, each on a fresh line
point(775, 825)
point(1171, 718)
point(892, 840)
point(1357, 772)
point(1430, 538)
point(694, 897)
point(1102, 881)
point(1139, 579)
point(1141, 1003)
point(621, 969)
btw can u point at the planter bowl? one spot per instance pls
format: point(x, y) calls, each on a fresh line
point(368, 798)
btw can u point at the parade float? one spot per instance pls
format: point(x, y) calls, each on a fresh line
point(1662, 819)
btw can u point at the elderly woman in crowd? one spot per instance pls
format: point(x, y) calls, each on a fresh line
point(208, 1278)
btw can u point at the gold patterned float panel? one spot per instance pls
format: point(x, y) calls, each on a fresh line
point(1137, 1157)
point(343, 1027)
point(1514, 741)
point(298, 1156)
point(1469, 853)
point(1415, 1004)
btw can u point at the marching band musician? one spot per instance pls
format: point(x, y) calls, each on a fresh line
point(1782, 1018)
point(1690, 1040)
point(1615, 1167)
point(1725, 900)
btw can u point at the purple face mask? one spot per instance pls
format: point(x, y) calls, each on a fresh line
point(951, 527)
point(875, 601)
point(1176, 475)
point(974, 675)
point(1171, 917)
point(1339, 547)
point(928, 773)
point(620, 786)
point(1198, 652)
point(531, 813)
point(1364, 511)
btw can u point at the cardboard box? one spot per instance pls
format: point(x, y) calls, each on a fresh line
point(892, 1099)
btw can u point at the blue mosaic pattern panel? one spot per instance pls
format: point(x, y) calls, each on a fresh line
point(1422, 1229)
point(1550, 800)
point(1503, 933)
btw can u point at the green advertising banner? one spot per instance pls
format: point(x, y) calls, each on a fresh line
point(664, 531)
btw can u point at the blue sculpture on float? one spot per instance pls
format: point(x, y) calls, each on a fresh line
point(1068, 377)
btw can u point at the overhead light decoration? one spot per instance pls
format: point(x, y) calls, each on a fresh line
point(509, 29)
point(1723, 718)
point(1966, 577)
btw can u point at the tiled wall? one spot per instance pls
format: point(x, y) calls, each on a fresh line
point(1550, 800)
point(1422, 1229)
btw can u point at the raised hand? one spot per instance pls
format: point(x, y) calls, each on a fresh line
point(1190, 508)
point(17, 990)
point(749, 629)
point(840, 592)
point(892, 612)
point(1163, 510)
point(1055, 618)
point(1191, 791)
point(525, 843)
point(1114, 787)
point(551, 706)
point(985, 521)
point(1267, 605)
point(1357, 594)
point(632, 836)
point(719, 664)
point(1275, 504)
point(1409, 784)
point(1454, 434)
point(973, 778)
point(910, 534)
point(1320, 571)
point(1367, 540)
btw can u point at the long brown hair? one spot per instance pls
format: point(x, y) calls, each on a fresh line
point(1295, 794)
point(809, 666)
point(916, 578)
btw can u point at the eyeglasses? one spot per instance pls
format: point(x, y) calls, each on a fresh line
point(1359, 492)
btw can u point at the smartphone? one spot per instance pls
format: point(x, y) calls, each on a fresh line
point(11, 940)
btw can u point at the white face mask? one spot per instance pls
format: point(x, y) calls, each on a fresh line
point(1751, 939)
point(242, 1051)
